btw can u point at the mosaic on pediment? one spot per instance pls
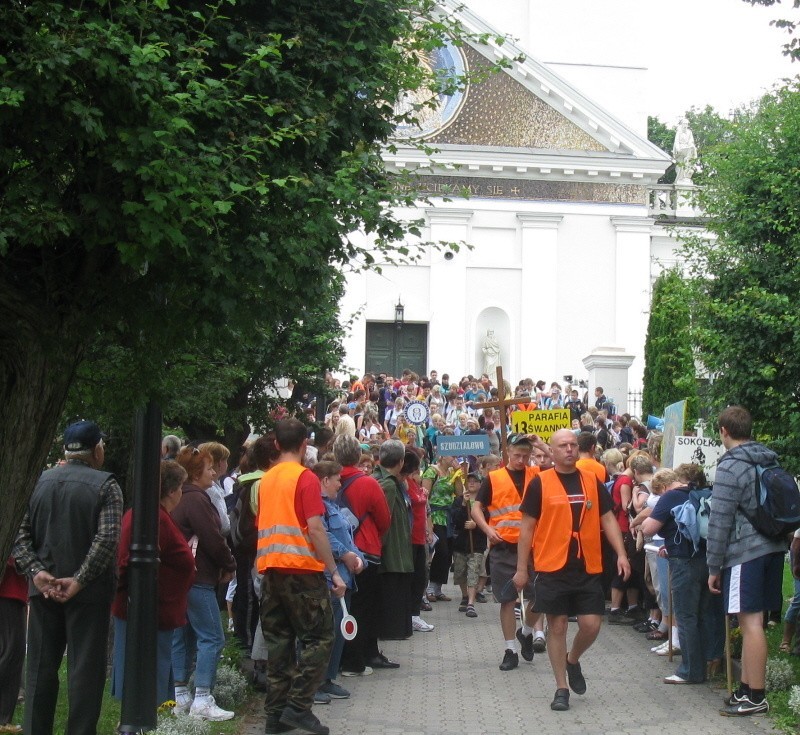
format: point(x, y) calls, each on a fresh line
point(501, 112)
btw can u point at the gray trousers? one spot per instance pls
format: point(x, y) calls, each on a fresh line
point(82, 630)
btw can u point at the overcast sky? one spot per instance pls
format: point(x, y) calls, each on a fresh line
point(698, 52)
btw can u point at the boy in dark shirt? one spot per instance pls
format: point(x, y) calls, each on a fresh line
point(469, 545)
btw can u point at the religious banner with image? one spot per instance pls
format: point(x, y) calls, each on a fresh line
point(542, 423)
point(700, 450)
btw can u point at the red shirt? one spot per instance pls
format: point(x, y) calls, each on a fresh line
point(616, 496)
point(14, 585)
point(419, 512)
point(308, 497)
point(368, 503)
point(175, 572)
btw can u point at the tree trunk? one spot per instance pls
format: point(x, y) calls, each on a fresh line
point(35, 376)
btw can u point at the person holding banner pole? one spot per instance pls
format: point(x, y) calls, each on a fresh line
point(499, 499)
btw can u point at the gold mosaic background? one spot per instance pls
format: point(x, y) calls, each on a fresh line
point(501, 112)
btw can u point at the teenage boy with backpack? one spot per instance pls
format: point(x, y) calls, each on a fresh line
point(744, 565)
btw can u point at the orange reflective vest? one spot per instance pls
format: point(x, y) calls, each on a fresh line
point(553, 534)
point(504, 512)
point(283, 543)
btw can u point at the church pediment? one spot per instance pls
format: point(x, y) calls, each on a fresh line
point(499, 111)
point(525, 122)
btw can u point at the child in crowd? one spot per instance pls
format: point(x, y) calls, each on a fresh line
point(468, 547)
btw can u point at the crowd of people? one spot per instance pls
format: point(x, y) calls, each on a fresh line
point(362, 514)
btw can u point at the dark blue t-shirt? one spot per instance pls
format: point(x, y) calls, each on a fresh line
point(678, 546)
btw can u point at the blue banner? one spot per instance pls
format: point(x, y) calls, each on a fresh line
point(459, 446)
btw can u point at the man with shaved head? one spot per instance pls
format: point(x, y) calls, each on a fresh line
point(564, 511)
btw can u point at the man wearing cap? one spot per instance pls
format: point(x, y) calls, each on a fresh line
point(499, 496)
point(66, 546)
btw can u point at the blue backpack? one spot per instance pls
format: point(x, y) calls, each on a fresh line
point(691, 516)
point(777, 502)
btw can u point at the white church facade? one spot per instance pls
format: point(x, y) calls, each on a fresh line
point(558, 243)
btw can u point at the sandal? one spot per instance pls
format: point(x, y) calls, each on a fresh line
point(657, 635)
point(785, 647)
point(442, 597)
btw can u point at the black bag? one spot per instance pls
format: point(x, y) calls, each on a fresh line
point(777, 502)
point(244, 533)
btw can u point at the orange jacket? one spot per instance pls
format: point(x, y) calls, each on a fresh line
point(283, 543)
point(504, 512)
point(553, 534)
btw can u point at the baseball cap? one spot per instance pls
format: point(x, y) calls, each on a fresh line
point(82, 435)
point(519, 439)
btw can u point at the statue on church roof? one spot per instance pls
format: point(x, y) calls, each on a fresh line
point(684, 151)
point(491, 353)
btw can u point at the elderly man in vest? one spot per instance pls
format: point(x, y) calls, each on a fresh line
point(293, 553)
point(67, 546)
point(499, 496)
point(563, 512)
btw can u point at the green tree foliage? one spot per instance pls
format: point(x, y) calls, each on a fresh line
point(178, 177)
point(664, 138)
point(747, 324)
point(669, 371)
point(711, 129)
point(789, 24)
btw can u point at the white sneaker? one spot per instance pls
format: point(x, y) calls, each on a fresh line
point(663, 649)
point(418, 624)
point(368, 671)
point(206, 708)
point(230, 625)
point(182, 704)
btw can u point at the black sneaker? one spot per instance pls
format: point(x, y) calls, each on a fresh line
point(539, 644)
point(560, 702)
point(617, 617)
point(645, 627)
point(736, 696)
point(275, 727)
point(575, 676)
point(480, 597)
point(526, 643)
point(510, 660)
point(745, 706)
point(306, 721)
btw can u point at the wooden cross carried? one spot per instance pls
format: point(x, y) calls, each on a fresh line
point(502, 403)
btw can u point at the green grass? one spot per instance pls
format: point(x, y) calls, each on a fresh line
point(110, 712)
point(779, 711)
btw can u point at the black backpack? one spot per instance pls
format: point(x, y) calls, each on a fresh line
point(244, 532)
point(777, 502)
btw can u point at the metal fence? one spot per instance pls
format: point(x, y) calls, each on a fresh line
point(635, 403)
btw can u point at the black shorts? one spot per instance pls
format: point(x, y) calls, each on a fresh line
point(568, 592)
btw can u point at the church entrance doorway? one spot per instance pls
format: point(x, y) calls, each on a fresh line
point(391, 348)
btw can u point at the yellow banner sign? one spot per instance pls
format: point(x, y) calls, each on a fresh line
point(542, 423)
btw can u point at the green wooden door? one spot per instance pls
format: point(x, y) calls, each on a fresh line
point(392, 348)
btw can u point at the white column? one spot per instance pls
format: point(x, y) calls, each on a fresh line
point(608, 368)
point(632, 288)
point(448, 349)
point(538, 306)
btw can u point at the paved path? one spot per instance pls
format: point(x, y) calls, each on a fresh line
point(449, 684)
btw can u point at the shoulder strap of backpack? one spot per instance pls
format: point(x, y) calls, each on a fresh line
point(346, 484)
